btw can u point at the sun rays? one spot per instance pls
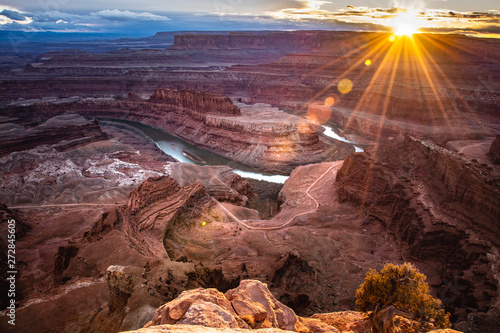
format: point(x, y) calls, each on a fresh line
point(390, 68)
point(407, 67)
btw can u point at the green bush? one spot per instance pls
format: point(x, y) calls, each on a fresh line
point(404, 287)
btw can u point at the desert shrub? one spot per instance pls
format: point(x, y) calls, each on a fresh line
point(404, 287)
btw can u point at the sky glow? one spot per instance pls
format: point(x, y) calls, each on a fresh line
point(481, 18)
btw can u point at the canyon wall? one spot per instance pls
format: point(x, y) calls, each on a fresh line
point(435, 92)
point(197, 101)
point(442, 209)
point(269, 141)
point(66, 127)
point(438, 87)
point(494, 152)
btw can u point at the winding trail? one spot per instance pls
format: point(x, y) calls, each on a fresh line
point(291, 219)
point(228, 213)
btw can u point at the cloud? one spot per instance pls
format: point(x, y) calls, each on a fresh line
point(428, 20)
point(298, 14)
point(54, 16)
point(486, 29)
point(100, 21)
point(13, 15)
point(125, 15)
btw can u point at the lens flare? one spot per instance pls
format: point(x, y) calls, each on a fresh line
point(345, 86)
point(368, 62)
point(313, 119)
point(329, 101)
point(319, 113)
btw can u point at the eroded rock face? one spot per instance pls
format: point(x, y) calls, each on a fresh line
point(252, 307)
point(293, 69)
point(258, 136)
point(202, 329)
point(120, 281)
point(196, 100)
point(220, 181)
point(65, 130)
point(252, 298)
point(440, 207)
point(346, 320)
point(156, 206)
point(494, 152)
point(203, 300)
point(249, 306)
point(68, 159)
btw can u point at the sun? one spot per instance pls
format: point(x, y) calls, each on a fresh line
point(404, 29)
point(405, 24)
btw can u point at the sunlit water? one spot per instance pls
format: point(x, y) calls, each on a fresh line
point(174, 147)
point(332, 134)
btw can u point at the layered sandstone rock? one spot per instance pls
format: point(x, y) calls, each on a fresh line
point(291, 70)
point(211, 300)
point(346, 320)
point(69, 159)
point(249, 306)
point(252, 308)
point(157, 205)
point(494, 152)
point(220, 181)
point(440, 207)
point(261, 137)
point(66, 130)
point(202, 329)
point(196, 100)
point(252, 298)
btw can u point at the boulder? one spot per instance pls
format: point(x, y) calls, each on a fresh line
point(209, 315)
point(253, 298)
point(202, 329)
point(178, 309)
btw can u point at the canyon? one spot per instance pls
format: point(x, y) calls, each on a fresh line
point(267, 140)
point(110, 230)
point(454, 78)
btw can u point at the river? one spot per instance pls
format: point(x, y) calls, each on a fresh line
point(330, 132)
point(174, 147)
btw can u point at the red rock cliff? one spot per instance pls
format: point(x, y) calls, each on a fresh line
point(494, 152)
point(196, 100)
point(268, 140)
point(442, 209)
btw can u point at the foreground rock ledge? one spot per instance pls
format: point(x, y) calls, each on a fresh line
point(199, 328)
point(252, 307)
